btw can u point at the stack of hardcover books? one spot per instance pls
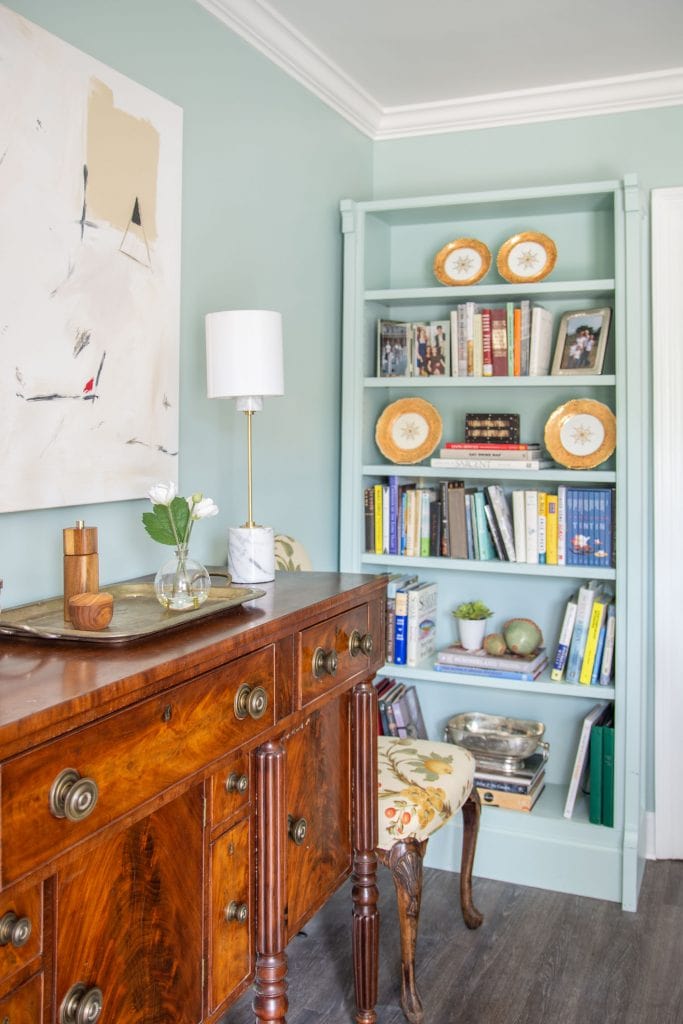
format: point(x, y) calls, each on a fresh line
point(516, 790)
point(506, 455)
point(504, 666)
point(399, 711)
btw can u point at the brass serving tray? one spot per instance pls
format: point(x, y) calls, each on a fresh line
point(137, 613)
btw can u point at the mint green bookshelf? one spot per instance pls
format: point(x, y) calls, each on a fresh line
point(597, 227)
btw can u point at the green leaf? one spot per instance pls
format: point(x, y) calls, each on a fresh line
point(158, 522)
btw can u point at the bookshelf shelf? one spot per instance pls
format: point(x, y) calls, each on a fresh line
point(389, 247)
point(541, 685)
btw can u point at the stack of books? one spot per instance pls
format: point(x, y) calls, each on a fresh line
point(517, 790)
point(585, 649)
point(411, 608)
point(399, 711)
point(470, 455)
point(522, 667)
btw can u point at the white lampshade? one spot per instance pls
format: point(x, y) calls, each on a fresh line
point(244, 353)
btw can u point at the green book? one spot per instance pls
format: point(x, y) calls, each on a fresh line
point(596, 782)
point(608, 776)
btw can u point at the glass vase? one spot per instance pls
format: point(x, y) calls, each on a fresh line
point(182, 583)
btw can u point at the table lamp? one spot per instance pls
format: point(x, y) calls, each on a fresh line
point(244, 361)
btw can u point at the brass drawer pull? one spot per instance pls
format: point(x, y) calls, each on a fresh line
point(324, 662)
point(81, 1005)
point(73, 797)
point(360, 643)
point(236, 783)
point(250, 701)
point(16, 930)
point(297, 828)
point(235, 911)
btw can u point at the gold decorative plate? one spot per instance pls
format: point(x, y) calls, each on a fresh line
point(463, 261)
point(581, 434)
point(408, 430)
point(527, 257)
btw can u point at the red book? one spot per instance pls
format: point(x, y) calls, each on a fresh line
point(499, 342)
point(503, 446)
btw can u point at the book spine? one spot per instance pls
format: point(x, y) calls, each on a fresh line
point(490, 673)
point(470, 463)
point(531, 521)
point(496, 446)
point(581, 755)
point(455, 370)
point(486, 343)
point(486, 550)
point(462, 341)
point(484, 782)
point(393, 515)
point(561, 524)
point(608, 650)
point(499, 346)
point(445, 532)
point(415, 709)
point(501, 511)
point(578, 644)
point(519, 524)
point(590, 650)
point(390, 629)
point(510, 334)
point(525, 308)
point(369, 518)
point(541, 527)
point(551, 529)
point(608, 777)
point(425, 502)
point(401, 630)
point(507, 662)
point(595, 768)
point(597, 662)
point(563, 643)
point(494, 533)
point(469, 526)
point(517, 335)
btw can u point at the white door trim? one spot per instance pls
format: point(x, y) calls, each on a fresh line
point(667, 356)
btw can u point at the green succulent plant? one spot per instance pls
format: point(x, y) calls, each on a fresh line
point(472, 610)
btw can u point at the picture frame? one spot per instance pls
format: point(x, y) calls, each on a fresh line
point(432, 348)
point(394, 348)
point(581, 342)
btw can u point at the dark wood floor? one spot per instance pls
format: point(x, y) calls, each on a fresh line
point(539, 958)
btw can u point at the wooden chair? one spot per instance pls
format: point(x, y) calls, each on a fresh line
point(421, 786)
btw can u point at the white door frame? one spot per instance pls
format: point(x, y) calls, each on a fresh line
point(667, 356)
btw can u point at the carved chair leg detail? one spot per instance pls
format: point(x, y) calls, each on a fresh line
point(404, 860)
point(471, 812)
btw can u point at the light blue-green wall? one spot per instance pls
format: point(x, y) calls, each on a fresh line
point(648, 143)
point(264, 166)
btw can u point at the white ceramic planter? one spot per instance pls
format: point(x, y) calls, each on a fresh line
point(472, 633)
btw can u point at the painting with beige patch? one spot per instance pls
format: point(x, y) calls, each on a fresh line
point(90, 212)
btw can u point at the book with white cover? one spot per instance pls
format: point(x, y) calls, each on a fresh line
point(455, 654)
point(422, 601)
point(519, 524)
point(531, 519)
point(540, 346)
point(468, 463)
point(592, 718)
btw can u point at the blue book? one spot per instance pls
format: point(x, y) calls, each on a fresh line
point(484, 542)
point(393, 516)
point(608, 648)
point(401, 625)
point(471, 549)
point(601, 553)
point(493, 673)
point(578, 642)
point(595, 674)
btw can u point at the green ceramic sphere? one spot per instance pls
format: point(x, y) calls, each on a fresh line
point(495, 644)
point(522, 636)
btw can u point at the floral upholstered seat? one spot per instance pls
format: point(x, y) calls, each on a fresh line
point(421, 785)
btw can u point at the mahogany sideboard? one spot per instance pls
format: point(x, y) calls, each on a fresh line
point(174, 809)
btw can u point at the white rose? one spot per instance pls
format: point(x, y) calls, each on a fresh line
point(162, 494)
point(204, 509)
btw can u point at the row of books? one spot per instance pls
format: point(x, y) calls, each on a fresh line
point(517, 790)
point(475, 341)
point(585, 649)
point(398, 709)
point(410, 620)
point(465, 455)
point(575, 526)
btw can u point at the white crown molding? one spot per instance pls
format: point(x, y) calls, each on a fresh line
point(524, 106)
point(261, 26)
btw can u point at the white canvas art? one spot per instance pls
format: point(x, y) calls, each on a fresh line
point(90, 204)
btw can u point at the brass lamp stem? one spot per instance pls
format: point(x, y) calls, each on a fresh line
point(250, 522)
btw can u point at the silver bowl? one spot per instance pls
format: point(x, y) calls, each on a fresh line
point(505, 743)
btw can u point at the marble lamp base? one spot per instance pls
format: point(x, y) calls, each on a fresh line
point(251, 554)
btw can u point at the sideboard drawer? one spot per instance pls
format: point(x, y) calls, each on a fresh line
point(232, 925)
point(21, 929)
point(330, 652)
point(130, 757)
point(230, 788)
point(25, 1004)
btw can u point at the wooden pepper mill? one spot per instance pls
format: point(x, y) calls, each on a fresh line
point(81, 563)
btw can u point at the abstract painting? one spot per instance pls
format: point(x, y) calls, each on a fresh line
point(90, 214)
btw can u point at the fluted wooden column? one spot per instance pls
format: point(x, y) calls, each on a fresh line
point(270, 985)
point(364, 835)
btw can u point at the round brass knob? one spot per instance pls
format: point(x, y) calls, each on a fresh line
point(81, 1005)
point(360, 643)
point(236, 783)
point(236, 912)
point(16, 930)
point(250, 701)
point(297, 828)
point(324, 662)
point(73, 797)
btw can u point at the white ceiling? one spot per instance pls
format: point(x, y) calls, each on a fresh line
point(405, 67)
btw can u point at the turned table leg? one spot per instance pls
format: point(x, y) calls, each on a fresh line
point(270, 985)
point(364, 835)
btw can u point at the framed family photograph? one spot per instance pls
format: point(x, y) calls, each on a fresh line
point(581, 341)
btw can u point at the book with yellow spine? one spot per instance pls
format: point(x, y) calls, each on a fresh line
point(551, 529)
point(598, 612)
